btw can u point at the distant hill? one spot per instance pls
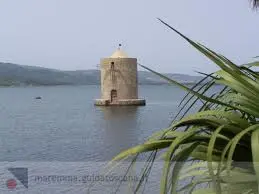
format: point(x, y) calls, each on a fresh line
point(150, 78)
point(20, 75)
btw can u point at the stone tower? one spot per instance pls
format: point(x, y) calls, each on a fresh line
point(119, 81)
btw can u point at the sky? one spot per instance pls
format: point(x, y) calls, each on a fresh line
point(75, 34)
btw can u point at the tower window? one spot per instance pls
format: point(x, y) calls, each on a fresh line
point(112, 65)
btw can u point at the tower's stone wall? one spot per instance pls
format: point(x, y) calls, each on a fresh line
point(119, 81)
point(119, 74)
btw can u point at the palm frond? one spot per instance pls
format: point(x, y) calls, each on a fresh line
point(223, 132)
point(255, 3)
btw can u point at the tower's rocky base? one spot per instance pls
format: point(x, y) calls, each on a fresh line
point(125, 102)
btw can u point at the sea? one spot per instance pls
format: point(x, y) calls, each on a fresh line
point(64, 132)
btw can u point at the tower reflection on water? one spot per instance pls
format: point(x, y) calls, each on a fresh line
point(121, 126)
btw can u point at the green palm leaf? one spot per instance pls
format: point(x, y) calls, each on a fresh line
point(223, 133)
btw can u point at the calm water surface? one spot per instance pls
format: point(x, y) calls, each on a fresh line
point(65, 125)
